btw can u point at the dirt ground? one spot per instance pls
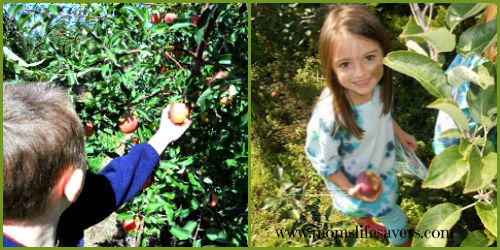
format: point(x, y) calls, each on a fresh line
point(107, 233)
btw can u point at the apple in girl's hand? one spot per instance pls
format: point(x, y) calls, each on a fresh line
point(370, 183)
point(128, 125)
point(178, 112)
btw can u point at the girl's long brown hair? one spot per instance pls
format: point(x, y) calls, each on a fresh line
point(357, 20)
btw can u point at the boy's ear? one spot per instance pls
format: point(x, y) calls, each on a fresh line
point(70, 184)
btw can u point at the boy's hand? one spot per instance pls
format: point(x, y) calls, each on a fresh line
point(168, 132)
point(171, 130)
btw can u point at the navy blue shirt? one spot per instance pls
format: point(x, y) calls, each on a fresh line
point(103, 193)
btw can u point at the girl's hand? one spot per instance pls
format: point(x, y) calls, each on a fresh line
point(355, 192)
point(407, 140)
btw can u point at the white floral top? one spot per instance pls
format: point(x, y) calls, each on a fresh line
point(330, 153)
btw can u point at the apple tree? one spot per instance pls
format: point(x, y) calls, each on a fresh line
point(471, 165)
point(123, 63)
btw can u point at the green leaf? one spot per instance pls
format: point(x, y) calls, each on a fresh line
point(440, 38)
point(457, 12)
point(446, 168)
point(179, 233)
point(198, 36)
point(197, 243)
point(190, 226)
point(461, 74)
point(14, 9)
point(195, 204)
point(451, 133)
point(482, 171)
point(138, 12)
point(215, 234)
point(278, 174)
point(201, 102)
point(488, 215)
point(412, 28)
point(477, 39)
point(225, 59)
point(439, 217)
point(180, 26)
point(269, 202)
point(453, 111)
point(476, 239)
point(482, 103)
point(112, 57)
point(426, 71)
point(486, 73)
point(294, 214)
point(14, 58)
point(413, 46)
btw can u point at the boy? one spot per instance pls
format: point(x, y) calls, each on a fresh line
point(49, 199)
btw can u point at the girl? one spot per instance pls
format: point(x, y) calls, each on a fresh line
point(351, 129)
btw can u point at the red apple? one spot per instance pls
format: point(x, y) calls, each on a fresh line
point(219, 75)
point(370, 183)
point(225, 100)
point(178, 112)
point(163, 69)
point(130, 225)
point(169, 17)
point(135, 140)
point(155, 18)
point(195, 19)
point(274, 94)
point(148, 182)
point(89, 128)
point(214, 200)
point(128, 125)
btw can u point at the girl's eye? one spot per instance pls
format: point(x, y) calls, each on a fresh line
point(344, 65)
point(370, 58)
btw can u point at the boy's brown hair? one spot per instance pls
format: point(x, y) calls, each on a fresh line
point(42, 137)
point(357, 20)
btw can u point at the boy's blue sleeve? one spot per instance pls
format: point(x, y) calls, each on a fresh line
point(102, 193)
point(128, 173)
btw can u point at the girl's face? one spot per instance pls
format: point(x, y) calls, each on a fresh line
point(357, 63)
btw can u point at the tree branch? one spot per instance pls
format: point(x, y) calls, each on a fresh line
point(203, 43)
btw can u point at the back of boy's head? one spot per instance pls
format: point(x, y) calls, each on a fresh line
point(42, 137)
point(354, 19)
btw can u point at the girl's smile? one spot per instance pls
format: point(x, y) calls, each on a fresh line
point(357, 63)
